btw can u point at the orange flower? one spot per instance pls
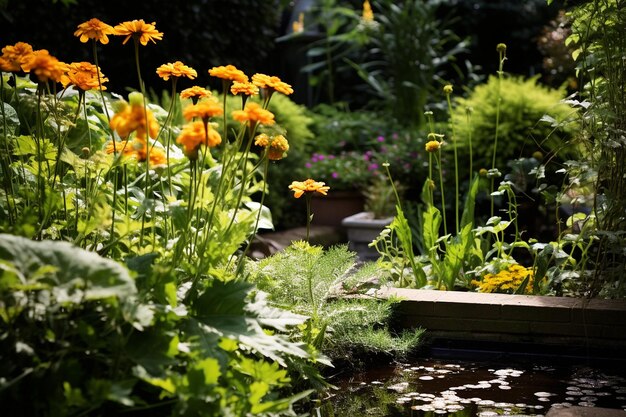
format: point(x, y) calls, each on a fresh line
point(276, 145)
point(83, 75)
point(246, 88)
point(195, 92)
point(195, 134)
point(254, 113)
point(203, 110)
point(229, 72)
point(15, 56)
point(140, 30)
point(308, 186)
point(177, 69)
point(123, 147)
point(44, 66)
point(271, 84)
point(94, 29)
point(133, 119)
point(157, 157)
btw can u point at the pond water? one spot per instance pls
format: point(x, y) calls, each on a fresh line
point(475, 388)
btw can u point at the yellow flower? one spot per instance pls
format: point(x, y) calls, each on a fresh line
point(176, 70)
point(140, 30)
point(246, 88)
point(15, 56)
point(94, 29)
point(271, 83)
point(229, 72)
point(133, 119)
point(254, 113)
point(507, 280)
point(123, 147)
point(195, 134)
point(368, 14)
point(83, 75)
point(433, 146)
point(501, 47)
point(203, 110)
point(195, 92)
point(298, 25)
point(308, 186)
point(44, 66)
point(276, 145)
point(447, 89)
point(483, 172)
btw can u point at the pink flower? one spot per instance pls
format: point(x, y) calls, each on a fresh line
point(308, 165)
point(380, 139)
point(335, 175)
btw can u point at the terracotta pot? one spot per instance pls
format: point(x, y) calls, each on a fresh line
point(331, 209)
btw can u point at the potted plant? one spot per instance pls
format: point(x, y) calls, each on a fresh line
point(363, 227)
point(348, 174)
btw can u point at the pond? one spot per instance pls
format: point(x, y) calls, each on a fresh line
point(436, 386)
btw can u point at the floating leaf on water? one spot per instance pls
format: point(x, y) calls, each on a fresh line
point(486, 402)
point(543, 394)
point(586, 404)
point(399, 387)
point(573, 393)
point(426, 378)
point(504, 387)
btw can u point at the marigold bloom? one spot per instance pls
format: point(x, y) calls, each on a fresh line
point(176, 69)
point(83, 75)
point(368, 14)
point(433, 146)
point(272, 83)
point(195, 134)
point(308, 186)
point(276, 145)
point(15, 56)
point(157, 155)
point(124, 147)
point(506, 281)
point(44, 66)
point(203, 110)
point(246, 88)
point(229, 72)
point(254, 113)
point(94, 29)
point(195, 92)
point(140, 30)
point(132, 118)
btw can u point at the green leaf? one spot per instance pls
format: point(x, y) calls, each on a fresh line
point(11, 119)
point(222, 310)
point(76, 268)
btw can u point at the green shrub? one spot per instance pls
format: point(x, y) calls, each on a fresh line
point(532, 118)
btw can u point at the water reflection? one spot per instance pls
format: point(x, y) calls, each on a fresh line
point(433, 387)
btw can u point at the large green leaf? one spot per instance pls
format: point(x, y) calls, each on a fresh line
point(73, 268)
point(228, 310)
point(11, 120)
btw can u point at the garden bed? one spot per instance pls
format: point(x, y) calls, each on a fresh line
point(595, 327)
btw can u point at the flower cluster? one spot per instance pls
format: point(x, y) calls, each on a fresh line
point(276, 146)
point(345, 171)
point(507, 280)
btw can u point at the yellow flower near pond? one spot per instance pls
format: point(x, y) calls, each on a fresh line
point(506, 281)
point(15, 56)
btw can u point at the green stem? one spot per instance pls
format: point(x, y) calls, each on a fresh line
point(495, 141)
point(308, 215)
point(456, 167)
point(443, 199)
